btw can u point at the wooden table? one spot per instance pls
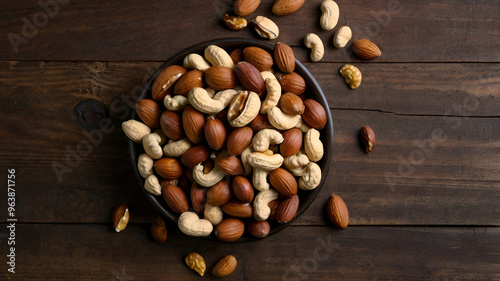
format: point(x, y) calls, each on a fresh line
point(424, 205)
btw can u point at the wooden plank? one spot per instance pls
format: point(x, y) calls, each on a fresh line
point(424, 31)
point(297, 253)
point(419, 89)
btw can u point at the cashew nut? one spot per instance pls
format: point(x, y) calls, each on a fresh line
point(281, 120)
point(213, 214)
point(311, 178)
point(175, 103)
point(330, 15)
point(243, 109)
point(342, 36)
point(264, 161)
point(261, 208)
point(200, 99)
point(264, 138)
point(214, 176)
point(218, 56)
point(302, 126)
point(145, 165)
point(195, 61)
point(190, 224)
point(313, 145)
point(135, 130)
point(244, 159)
point(152, 185)
point(177, 148)
point(267, 74)
point(152, 146)
point(313, 42)
point(273, 88)
point(260, 179)
point(296, 164)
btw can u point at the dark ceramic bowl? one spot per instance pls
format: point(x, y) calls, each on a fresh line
point(313, 91)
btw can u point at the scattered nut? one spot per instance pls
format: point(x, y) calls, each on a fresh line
point(225, 266)
point(330, 15)
point(352, 75)
point(313, 42)
point(195, 261)
point(342, 37)
point(368, 138)
point(286, 7)
point(245, 7)
point(120, 217)
point(234, 22)
point(366, 49)
point(337, 211)
point(266, 28)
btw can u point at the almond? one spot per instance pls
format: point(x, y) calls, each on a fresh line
point(242, 189)
point(283, 181)
point(250, 77)
point(215, 133)
point(259, 229)
point(286, 7)
point(198, 197)
point(225, 266)
point(366, 49)
point(120, 217)
point(219, 194)
point(188, 81)
point(175, 198)
point(208, 165)
point(231, 166)
point(221, 78)
point(368, 138)
point(236, 55)
point(291, 104)
point(171, 125)
point(287, 209)
point(165, 80)
point(229, 230)
point(238, 140)
point(284, 57)
point(258, 57)
point(245, 7)
point(195, 155)
point(193, 122)
point(260, 122)
point(238, 209)
point(314, 114)
point(292, 142)
point(149, 111)
point(292, 83)
point(337, 211)
point(159, 230)
point(168, 168)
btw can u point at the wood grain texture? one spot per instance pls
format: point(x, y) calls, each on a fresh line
point(406, 31)
point(51, 252)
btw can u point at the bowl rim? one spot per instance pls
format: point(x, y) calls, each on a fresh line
point(327, 133)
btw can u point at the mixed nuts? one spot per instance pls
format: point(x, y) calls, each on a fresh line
point(229, 139)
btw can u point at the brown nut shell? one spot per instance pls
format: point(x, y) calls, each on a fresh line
point(231, 166)
point(198, 197)
point(175, 198)
point(215, 133)
point(291, 104)
point(314, 114)
point(165, 80)
point(168, 168)
point(260, 122)
point(238, 140)
point(171, 125)
point(193, 122)
point(229, 230)
point(238, 209)
point(149, 111)
point(284, 182)
point(368, 138)
point(245, 7)
point(188, 81)
point(292, 142)
point(221, 78)
point(224, 266)
point(195, 155)
point(366, 49)
point(159, 230)
point(250, 77)
point(258, 57)
point(337, 211)
point(242, 189)
point(259, 229)
point(219, 194)
point(292, 83)
point(287, 209)
point(284, 57)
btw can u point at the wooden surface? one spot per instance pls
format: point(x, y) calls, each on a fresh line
point(436, 217)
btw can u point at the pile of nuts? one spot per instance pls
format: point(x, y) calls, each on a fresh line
point(228, 140)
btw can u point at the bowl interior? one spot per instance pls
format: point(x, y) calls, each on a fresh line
point(313, 91)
